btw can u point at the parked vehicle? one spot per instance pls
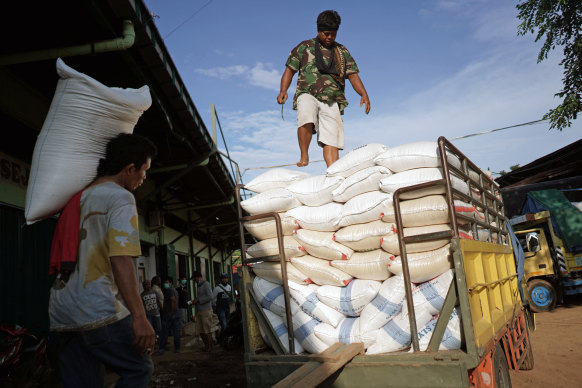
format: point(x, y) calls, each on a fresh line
point(485, 289)
point(23, 359)
point(553, 267)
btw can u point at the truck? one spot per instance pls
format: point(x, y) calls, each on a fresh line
point(486, 289)
point(552, 246)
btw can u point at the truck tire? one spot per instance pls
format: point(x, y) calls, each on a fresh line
point(542, 295)
point(501, 368)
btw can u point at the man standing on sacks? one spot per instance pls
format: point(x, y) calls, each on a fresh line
point(96, 309)
point(323, 66)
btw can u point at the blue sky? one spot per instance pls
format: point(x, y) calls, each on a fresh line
point(431, 68)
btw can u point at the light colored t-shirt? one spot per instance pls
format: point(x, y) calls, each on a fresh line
point(108, 227)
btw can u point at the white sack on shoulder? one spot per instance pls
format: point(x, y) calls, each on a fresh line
point(420, 175)
point(270, 247)
point(271, 271)
point(321, 244)
point(395, 335)
point(355, 160)
point(271, 296)
point(372, 265)
point(390, 242)
point(323, 218)
point(424, 265)
point(385, 306)
point(414, 155)
point(83, 116)
point(276, 178)
point(303, 329)
point(306, 298)
point(267, 228)
point(364, 237)
point(452, 337)
point(320, 271)
point(360, 182)
point(315, 190)
point(351, 299)
point(275, 200)
point(366, 207)
point(348, 332)
point(281, 331)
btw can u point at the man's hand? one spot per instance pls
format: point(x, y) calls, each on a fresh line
point(145, 336)
point(195, 301)
point(282, 97)
point(365, 100)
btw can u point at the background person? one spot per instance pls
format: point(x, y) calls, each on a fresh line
point(204, 311)
point(222, 299)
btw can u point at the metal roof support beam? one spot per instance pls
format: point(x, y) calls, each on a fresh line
point(197, 163)
point(210, 205)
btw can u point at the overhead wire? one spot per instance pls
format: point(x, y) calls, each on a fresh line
point(498, 129)
point(187, 19)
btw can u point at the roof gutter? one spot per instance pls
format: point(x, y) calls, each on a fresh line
point(124, 42)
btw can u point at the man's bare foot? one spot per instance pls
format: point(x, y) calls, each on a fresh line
point(303, 163)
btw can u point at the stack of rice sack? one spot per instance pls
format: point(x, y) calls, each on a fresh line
point(344, 270)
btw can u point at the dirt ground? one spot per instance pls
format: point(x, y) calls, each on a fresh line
point(557, 348)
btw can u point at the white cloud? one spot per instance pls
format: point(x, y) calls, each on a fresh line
point(263, 75)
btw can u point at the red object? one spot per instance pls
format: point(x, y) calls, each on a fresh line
point(66, 238)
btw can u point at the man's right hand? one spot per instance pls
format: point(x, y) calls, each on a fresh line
point(145, 336)
point(282, 97)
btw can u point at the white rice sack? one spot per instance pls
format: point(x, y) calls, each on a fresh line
point(275, 200)
point(276, 178)
point(360, 182)
point(348, 332)
point(430, 296)
point(271, 271)
point(267, 228)
point(414, 155)
point(355, 160)
point(306, 298)
point(390, 242)
point(372, 265)
point(315, 190)
point(452, 337)
point(429, 210)
point(364, 237)
point(303, 329)
point(385, 306)
point(270, 247)
point(424, 265)
point(323, 218)
point(271, 296)
point(281, 331)
point(420, 175)
point(321, 244)
point(83, 116)
point(395, 335)
point(351, 299)
point(366, 207)
point(320, 271)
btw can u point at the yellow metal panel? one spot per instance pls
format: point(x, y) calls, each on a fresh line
point(492, 286)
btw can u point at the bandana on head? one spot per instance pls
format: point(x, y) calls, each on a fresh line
point(326, 27)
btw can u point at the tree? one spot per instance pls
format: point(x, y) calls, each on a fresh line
point(560, 22)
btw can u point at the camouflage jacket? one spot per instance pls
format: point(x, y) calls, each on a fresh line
point(311, 81)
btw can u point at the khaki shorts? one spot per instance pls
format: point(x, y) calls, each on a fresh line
point(326, 118)
point(204, 321)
